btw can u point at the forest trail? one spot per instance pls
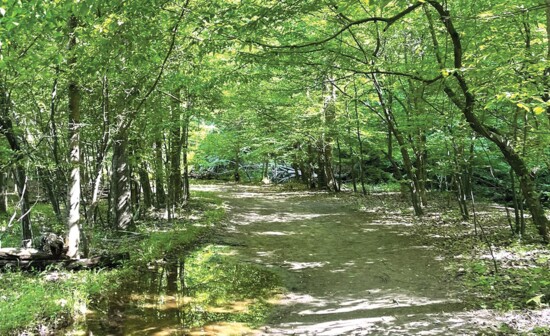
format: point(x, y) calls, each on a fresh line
point(348, 272)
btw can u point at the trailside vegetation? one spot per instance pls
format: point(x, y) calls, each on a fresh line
point(108, 109)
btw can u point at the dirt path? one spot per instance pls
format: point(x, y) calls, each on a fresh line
point(348, 272)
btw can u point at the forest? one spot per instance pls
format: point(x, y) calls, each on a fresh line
point(274, 167)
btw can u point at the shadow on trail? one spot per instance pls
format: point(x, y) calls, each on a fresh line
point(347, 272)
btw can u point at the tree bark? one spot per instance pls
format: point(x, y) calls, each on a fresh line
point(20, 177)
point(265, 166)
point(413, 184)
point(120, 183)
point(160, 193)
point(73, 221)
point(329, 110)
point(322, 182)
point(3, 193)
point(175, 186)
point(186, 192)
point(359, 140)
point(135, 191)
point(145, 186)
point(237, 163)
point(351, 153)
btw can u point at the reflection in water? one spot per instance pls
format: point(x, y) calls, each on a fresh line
point(206, 293)
point(347, 272)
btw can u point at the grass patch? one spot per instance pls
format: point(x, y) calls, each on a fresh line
point(48, 300)
point(37, 302)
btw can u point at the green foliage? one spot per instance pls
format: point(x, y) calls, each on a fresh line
point(50, 299)
point(44, 220)
point(162, 239)
point(251, 82)
point(55, 298)
point(217, 279)
point(512, 287)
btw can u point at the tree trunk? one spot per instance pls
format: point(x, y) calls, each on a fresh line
point(96, 189)
point(145, 186)
point(22, 189)
point(351, 154)
point(339, 179)
point(310, 166)
point(47, 181)
point(236, 174)
point(73, 221)
point(120, 184)
point(360, 141)
point(175, 186)
point(3, 193)
point(413, 183)
point(265, 170)
point(460, 176)
point(515, 202)
point(527, 183)
point(135, 194)
point(420, 165)
point(186, 192)
point(329, 114)
point(160, 193)
point(19, 174)
point(322, 182)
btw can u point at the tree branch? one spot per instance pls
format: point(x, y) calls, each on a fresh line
point(166, 58)
point(389, 22)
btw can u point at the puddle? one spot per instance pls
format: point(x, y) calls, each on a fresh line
point(208, 292)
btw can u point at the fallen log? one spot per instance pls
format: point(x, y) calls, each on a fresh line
point(18, 253)
point(112, 260)
point(32, 259)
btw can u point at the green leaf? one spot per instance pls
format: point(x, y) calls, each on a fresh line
point(523, 106)
point(538, 110)
point(536, 300)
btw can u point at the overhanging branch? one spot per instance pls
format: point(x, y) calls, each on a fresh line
point(389, 22)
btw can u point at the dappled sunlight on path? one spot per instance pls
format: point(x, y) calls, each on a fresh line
point(348, 272)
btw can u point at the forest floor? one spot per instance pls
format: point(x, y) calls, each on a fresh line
point(263, 260)
point(366, 266)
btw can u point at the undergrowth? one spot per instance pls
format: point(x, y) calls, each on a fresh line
point(37, 302)
point(520, 281)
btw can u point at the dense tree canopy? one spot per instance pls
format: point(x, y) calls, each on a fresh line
point(124, 98)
